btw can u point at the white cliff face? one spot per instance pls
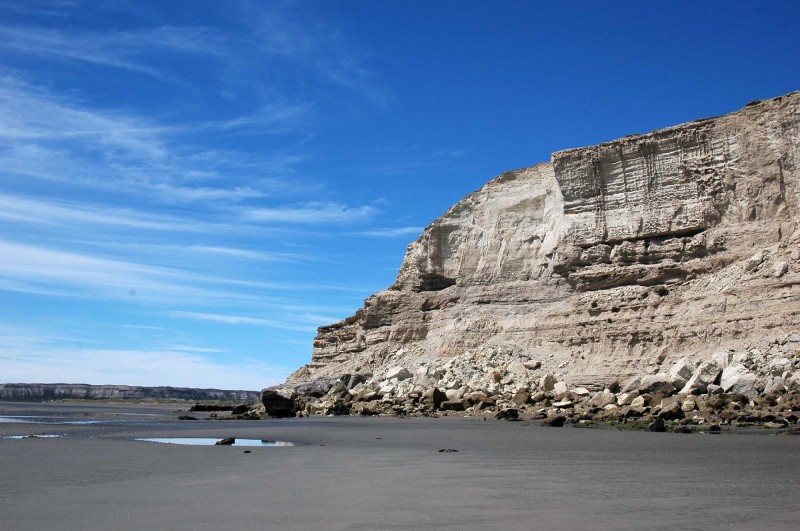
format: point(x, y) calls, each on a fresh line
point(609, 261)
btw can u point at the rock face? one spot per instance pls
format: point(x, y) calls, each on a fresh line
point(609, 262)
point(36, 392)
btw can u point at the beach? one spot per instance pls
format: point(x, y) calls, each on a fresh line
point(381, 473)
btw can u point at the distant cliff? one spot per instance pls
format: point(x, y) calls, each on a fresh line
point(607, 262)
point(39, 392)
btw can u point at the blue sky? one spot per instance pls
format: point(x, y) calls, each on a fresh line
point(189, 188)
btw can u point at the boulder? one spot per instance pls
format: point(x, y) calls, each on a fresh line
point(547, 382)
point(555, 421)
point(397, 372)
point(427, 376)
point(432, 398)
point(657, 426)
point(738, 379)
point(625, 399)
point(671, 411)
point(656, 383)
point(603, 399)
point(453, 405)
point(277, 405)
point(454, 394)
point(705, 375)
point(338, 390)
point(680, 372)
point(723, 357)
point(522, 397)
point(507, 414)
point(638, 402)
point(560, 388)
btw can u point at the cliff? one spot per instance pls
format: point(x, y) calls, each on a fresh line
point(37, 392)
point(607, 262)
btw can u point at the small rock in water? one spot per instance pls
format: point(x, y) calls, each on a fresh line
point(714, 429)
point(682, 429)
point(187, 417)
point(447, 451)
point(247, 451)
point(657, 426)
point(227, 441)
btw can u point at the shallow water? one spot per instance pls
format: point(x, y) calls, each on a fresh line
point(211, 441)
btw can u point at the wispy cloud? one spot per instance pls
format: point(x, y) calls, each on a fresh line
point(242, 320)
point(117, 49)
point(33, 268)
point(391, 232)
point(313, 212)
point(180, 367)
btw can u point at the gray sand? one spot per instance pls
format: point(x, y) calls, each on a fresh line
point(385, 473)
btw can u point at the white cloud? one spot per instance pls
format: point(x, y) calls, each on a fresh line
point(176, 367)
point(242, 320)
point(314, 212)
point(392, 232)
point(33, 268)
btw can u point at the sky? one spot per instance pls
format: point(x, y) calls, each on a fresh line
point(189, 188)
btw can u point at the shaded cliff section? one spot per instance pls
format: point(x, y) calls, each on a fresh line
point(606, 262)
point(59, 391)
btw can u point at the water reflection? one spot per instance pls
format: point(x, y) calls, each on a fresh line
point(211, 441)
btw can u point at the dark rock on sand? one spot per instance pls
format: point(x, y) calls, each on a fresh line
point(507, 414)
point(277, 405)
point(555, 421)
point(453, 405)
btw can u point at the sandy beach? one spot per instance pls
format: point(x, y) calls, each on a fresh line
point(382, 473)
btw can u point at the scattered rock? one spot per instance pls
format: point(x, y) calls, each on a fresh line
point(507, 414)
point(399, 373)
point(680, 373)
point(705, 374)
point(453, 405)
point(555, 421)
point(738, 379)
point(448, 451)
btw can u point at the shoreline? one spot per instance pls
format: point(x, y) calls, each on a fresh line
point(388, 473)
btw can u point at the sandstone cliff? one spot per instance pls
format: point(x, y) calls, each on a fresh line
point(608, 262)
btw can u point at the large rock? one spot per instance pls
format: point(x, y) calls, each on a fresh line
point(655, 383)
point(705, 375)
point(432, 398)
point(680, 373)
point(738, 379)
point(278, 403)
point(398, 373)
point(603, 263)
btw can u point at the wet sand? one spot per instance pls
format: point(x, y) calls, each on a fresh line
point(384, 473)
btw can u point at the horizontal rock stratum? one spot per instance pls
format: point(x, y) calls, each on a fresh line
point(609, 262)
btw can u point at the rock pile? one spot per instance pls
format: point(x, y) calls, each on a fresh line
point(757, 386)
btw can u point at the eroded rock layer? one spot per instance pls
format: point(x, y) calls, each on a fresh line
point(608, 262)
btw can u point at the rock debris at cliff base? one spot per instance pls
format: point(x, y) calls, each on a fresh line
point(602, 272)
